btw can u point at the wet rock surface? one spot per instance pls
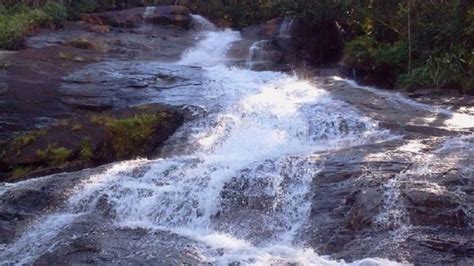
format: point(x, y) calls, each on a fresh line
point(93, 240)
point(298, 41)
point(31, 82)
point(109, 85)
point(386, 205)
point(134, 17)
point(29, 201)
point(408, 199)
point(90, 141)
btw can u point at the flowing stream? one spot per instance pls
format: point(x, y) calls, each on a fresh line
point(239, 184)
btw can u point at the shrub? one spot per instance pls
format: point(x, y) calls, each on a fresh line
point(17, 22)
point(394, 55)
point(57, 13)
point(447, 69)
point(418, 77)
point(360, 52)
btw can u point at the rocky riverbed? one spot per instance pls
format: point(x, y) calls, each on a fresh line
point(245, 166)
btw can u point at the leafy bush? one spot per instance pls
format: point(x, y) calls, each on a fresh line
point(394, 55)
point(17, 22)
point(57, 13)
point(418, 77)
point(361, 51)
point(447, 69)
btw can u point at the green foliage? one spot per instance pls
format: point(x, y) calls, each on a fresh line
point(128, 136)
point(361, 51)
point(441, 53)
point(418, 77)
point(54, 155)
point(76, 8)
point(238, 13)
point(19, 21)
point(56, 12)
point(86, 6)
point(85, 152)
point(20, 172)
point(313, 12)
point(447, 68)
point(26, 139)
point(394, 55)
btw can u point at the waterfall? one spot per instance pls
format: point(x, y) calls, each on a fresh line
point(201, 24)
point(256, 143)
point(286, 27)
point(150, 10)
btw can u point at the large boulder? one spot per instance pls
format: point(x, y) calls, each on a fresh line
point(3, 88)
point(264, 55)
point(90, 141)
point(316, 44)
point(134, 17)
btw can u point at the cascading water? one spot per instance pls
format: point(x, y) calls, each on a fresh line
point(201, 24)
point(150, 10)
point(242, 189)
point(286, 27)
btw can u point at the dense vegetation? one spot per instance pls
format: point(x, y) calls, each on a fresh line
point(17, 21)
point(412, 43)
point(409, 43)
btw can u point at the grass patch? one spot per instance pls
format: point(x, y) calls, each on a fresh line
point(54, 155)
point(21, 172)
point(26, 139)
point(129, 136)
point(85, 152)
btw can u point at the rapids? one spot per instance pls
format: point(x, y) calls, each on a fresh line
point(255, 131)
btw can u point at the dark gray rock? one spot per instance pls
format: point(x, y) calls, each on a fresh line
point(92, 240)
point(3, 88)
point(89, 103)
point(161, 15)
point(264, 55)
point(120, 84)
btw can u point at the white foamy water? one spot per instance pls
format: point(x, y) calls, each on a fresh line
point(256, 143)
point(201, 24)
point(149, 11)
point(286, 27)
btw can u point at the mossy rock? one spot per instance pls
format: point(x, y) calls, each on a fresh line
point(90, 141)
